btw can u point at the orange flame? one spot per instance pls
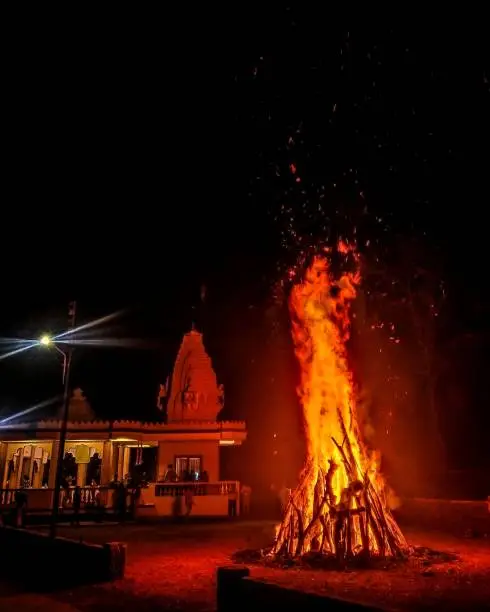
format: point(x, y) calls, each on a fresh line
point(320, 326)
point(320, 309)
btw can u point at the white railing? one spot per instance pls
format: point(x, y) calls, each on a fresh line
point(90, 496)
point(103, 496)
point(42, 499)
point(173, 489)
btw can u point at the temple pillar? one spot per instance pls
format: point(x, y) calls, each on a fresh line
point(36, 467)
point(53, 464)
point(107, 470)
point(162, 461)
point(18, 470)
point(120, 462)
point(82, 474)
point(32, 469)
point(126, 455)
point(3, 462)
point(10, 480)
point(37, 474)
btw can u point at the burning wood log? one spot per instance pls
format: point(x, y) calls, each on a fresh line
point(339, 507)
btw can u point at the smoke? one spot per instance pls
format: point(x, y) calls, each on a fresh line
point(385, 398)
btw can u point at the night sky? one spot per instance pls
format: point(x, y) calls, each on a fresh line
point(138, 170)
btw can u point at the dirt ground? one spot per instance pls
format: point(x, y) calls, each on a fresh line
point(173, 567)
point(462, 584)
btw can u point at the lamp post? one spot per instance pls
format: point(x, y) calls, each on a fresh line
point(48, 341)
point(67, 359)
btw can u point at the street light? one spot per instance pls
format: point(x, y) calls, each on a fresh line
point(50, 342)
point(67, 359)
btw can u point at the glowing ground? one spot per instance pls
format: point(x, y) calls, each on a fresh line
point(173, 568)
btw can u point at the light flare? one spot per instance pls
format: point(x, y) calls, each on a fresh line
point(89, 325)
point(25, 347)
point(38, 406)
point(67, 337)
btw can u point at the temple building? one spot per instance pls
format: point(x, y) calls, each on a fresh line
point(185, 442)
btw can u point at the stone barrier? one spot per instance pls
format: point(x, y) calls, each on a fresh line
point(47, 563)
point(237, 591)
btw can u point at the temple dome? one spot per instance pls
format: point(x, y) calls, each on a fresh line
point(79, 408)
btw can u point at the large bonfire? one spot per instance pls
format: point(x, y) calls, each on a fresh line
point(340, 507)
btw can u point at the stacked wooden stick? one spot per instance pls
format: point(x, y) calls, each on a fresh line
point(359, 523)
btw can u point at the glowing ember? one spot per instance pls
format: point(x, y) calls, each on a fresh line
point(339, 506)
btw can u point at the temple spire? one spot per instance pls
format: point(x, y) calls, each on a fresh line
point(194, 391)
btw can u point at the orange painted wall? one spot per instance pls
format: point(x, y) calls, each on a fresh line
point(208, 450)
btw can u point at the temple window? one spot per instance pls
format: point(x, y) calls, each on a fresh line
point(82, 463)
point(188, 464)
point(26, 464)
